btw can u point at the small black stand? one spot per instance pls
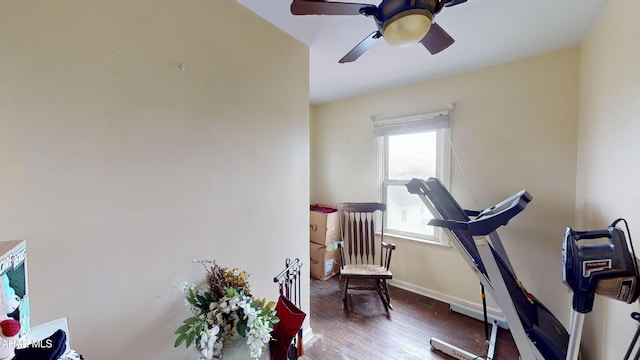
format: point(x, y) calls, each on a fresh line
point(635, 316)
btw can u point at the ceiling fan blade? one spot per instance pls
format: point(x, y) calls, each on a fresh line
point(436, 39)
point(321, 7)
point(454, 3)
point(363, 46)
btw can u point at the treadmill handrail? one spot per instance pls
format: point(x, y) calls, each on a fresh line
point(499, 215)
point(487, 220)
point(449, 224)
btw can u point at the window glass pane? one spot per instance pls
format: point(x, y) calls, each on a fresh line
point(412, 156)
point(406, 212)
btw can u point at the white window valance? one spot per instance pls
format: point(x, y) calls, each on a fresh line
point(411, 123)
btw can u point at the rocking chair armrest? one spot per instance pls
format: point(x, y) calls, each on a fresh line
point(388, 250)
point(388, 246)
point(339, 247)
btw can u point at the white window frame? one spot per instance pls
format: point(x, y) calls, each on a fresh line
point(443, 163)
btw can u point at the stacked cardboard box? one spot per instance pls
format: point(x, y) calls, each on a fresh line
point(324, 231)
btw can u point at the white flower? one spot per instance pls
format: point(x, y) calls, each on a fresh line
point(207, 340)
point(184, 286)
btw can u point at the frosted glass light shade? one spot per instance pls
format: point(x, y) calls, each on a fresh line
point(406, 28)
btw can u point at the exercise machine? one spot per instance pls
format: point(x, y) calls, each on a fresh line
point(598, 262)
point(537, 333)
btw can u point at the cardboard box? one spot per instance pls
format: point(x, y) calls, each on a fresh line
point(13, 270)
point(324, 228)
point(325, 262)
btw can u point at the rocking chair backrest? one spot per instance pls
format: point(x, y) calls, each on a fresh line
point(358, 225)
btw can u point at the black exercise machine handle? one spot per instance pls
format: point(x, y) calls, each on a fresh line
point(488, 220)
point(591, 234)
point(499, 215)
point(449, 224)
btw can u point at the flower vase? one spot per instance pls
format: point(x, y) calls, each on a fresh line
point(238, 349)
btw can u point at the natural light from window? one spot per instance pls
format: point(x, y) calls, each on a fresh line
point(409, 156)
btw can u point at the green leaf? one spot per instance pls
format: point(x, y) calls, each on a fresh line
point(192, 320)
point(190, 337)
point(201, 299)
point(183, 329)
point(242, 328)
point(192, 296)
point(231, 292)
point(271, 305)
point(180, 340)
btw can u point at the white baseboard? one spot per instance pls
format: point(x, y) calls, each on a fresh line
point(307, 335)
point(456, 304)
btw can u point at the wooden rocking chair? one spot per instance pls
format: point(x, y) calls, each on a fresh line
point(361, 259)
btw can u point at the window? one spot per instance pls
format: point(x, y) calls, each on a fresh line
point(411, 147)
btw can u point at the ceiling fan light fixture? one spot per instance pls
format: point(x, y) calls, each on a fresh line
point(407, 27)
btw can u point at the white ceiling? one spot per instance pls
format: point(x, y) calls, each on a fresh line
point(487, 32)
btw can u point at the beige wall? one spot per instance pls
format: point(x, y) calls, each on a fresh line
point(514, 127)
point(119, 169)
point(608, 172)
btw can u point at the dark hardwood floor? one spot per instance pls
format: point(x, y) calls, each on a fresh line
point(363, 331)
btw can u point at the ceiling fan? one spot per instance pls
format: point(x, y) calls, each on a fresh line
point(400, 22)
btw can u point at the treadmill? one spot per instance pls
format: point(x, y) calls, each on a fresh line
point(538, 334)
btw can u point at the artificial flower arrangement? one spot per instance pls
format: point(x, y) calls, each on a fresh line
point(223, 310)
